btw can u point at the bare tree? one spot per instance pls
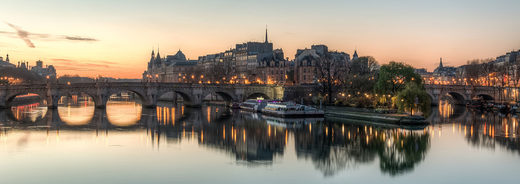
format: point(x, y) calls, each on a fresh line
point(329, 74)
point(360, 75)
point(221, 72)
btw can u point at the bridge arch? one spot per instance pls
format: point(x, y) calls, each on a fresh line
point(457, 98)
point(256, 95)
point(185, 95)
point(148, 93)
point(71, 93)
point(432, 99)
point(9, 98)
point(227, 96)
point(105, 98)
point(485, 97)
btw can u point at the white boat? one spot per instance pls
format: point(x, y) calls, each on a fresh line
point(253, 105)
point(288, 109)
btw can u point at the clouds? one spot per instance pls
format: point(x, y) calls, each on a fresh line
point(27, 36)
point(24, 35)
point(78, 38)
point(83, 65)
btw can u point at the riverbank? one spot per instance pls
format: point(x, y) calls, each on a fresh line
point(368, 116)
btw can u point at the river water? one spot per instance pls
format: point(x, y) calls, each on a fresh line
point(125, 143)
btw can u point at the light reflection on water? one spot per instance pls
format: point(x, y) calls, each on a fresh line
point(76, 112)
point(218, 145)
point(123, 113)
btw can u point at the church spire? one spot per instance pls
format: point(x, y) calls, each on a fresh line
point(152, 57)
point(266, 40)
point(158, 57)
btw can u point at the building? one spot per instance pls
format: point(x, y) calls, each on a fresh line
point(508, 58)
point(246, 63)
point(244, 59)
point(250, 62)
point(306, 62)
point(46, 72)
point(444, 71)
point(355, 56)
point(274, 70)
point(6, 63)
point(173, 68)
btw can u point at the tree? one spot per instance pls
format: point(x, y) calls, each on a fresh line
point(393, 77)
point(476, 69)
point(361, 75)
point(472, 71)
point(23, 75)
point(220, 72)
point(329, 71)
point(413, 97)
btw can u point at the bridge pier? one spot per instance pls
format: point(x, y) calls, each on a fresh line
point(149, 106)
point(3, 94)
point(101, 101)
point(52, 101)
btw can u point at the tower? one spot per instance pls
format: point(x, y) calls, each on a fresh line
point(7, 58)
point(39, 63)
point(355, 56)
point(152, 58)
point(158, 58)
point(440, 63)
point(266, 40)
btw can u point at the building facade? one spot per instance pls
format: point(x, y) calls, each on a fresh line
point(6, 62)
point(172, 68)
point(307, 62)
point(247, 63)
point(47, 72)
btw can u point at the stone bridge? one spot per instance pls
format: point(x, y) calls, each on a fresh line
point(461, 94)
point(192, 94)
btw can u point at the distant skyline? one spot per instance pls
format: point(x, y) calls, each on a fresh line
point(114, 38)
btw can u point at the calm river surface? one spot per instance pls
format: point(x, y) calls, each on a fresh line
point(172, 144)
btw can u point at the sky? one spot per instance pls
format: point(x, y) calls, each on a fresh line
point(115, 38)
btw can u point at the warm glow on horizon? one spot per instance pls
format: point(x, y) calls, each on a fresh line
point(124, 33)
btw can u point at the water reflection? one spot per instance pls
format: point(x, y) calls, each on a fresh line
point(334, 147)
point(76, 110)
point(28, 108)
point(480, 129)
point(122, 113)
point(250, 139)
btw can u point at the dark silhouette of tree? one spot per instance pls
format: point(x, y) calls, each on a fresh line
point(413, 97)
point(394, 76)
point(329, 72)
point(477, 68)
point(74, 79)
point(361, 75)
point(405, 152)
point(221, 72)
point(26, 76)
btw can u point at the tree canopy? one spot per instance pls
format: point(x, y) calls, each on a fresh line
point(413, 97)
point(361, 75)
point(394, 76)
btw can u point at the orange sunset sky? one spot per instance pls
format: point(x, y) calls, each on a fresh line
point(115, 38)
